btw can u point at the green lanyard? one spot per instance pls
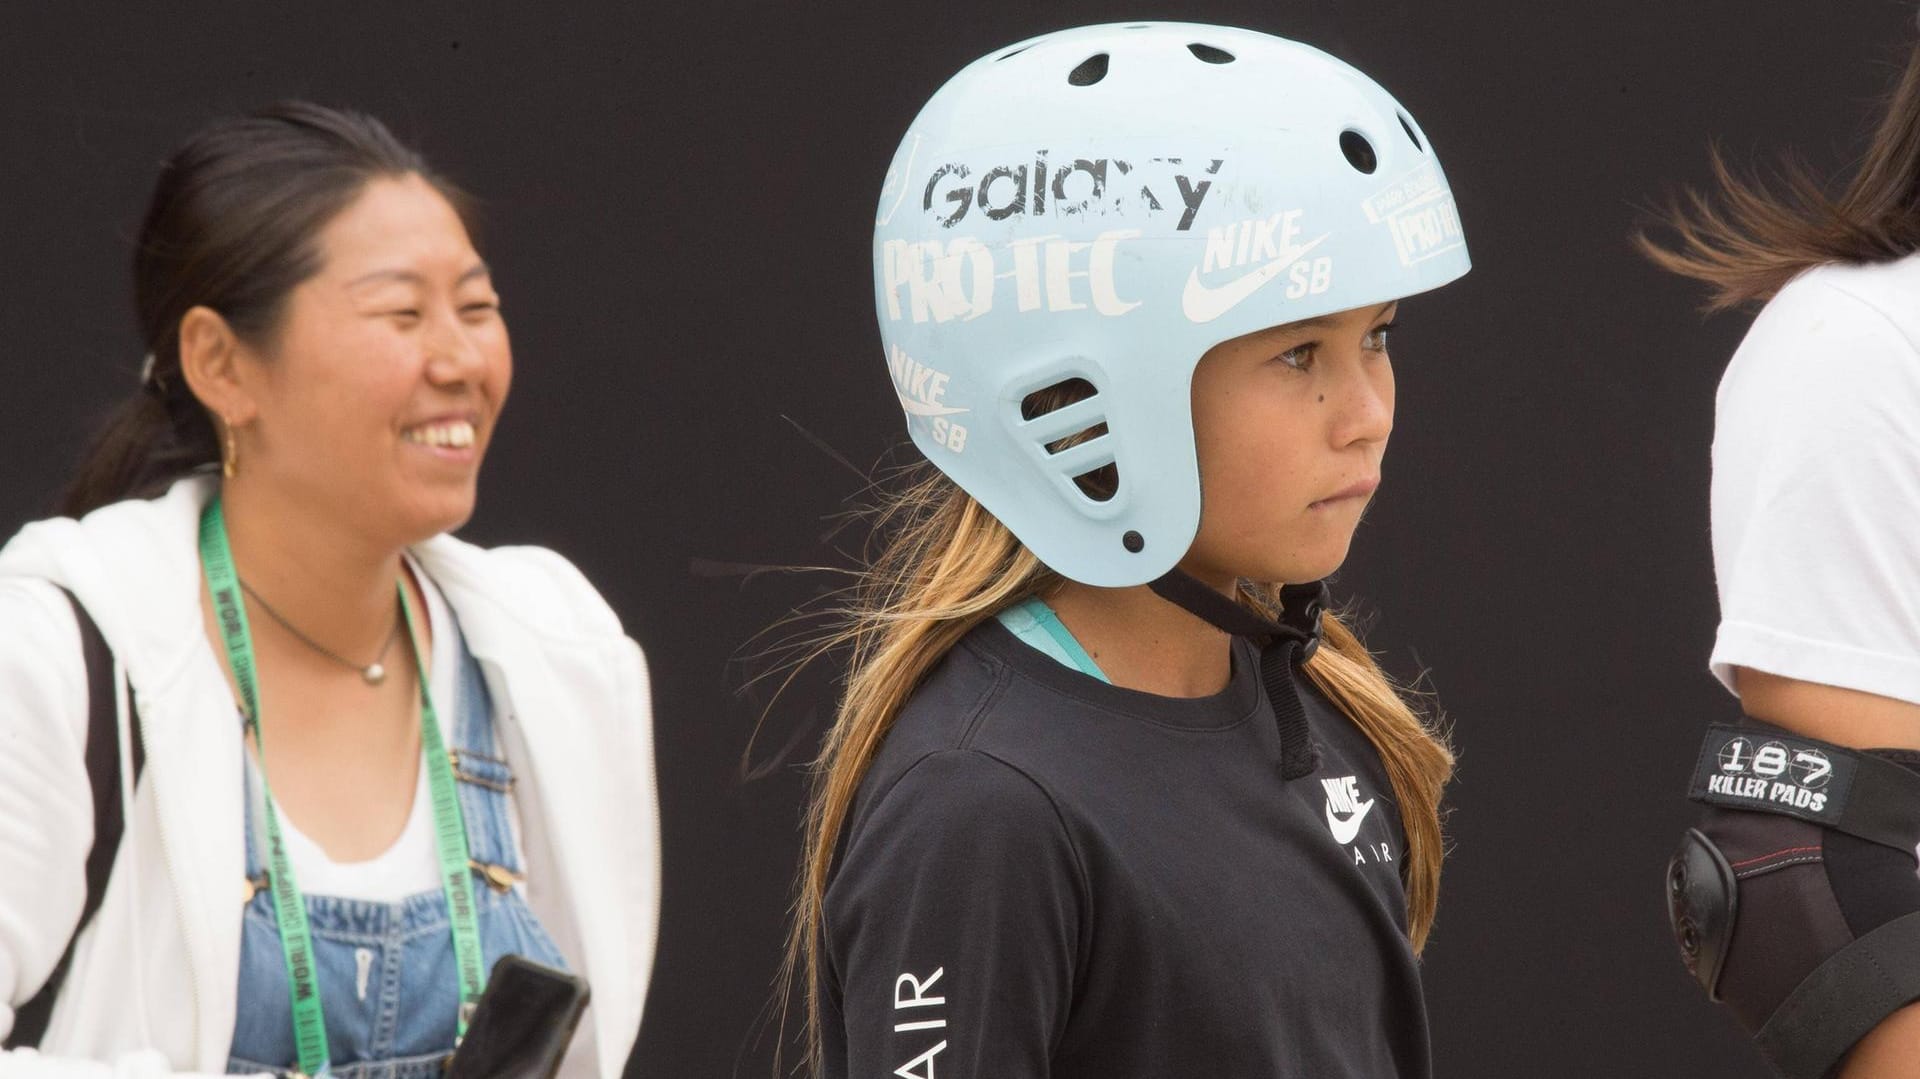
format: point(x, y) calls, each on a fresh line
point(450, 831)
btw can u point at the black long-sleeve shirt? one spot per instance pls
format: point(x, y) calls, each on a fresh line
point(1046, 875)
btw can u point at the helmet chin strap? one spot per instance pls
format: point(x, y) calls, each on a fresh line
point(1284, 645)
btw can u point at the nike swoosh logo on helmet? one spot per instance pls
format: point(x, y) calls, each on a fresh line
point(1344, 831)
point(1203, 304)
point(921, 408)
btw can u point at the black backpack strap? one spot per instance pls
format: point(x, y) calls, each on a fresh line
point(103, 775)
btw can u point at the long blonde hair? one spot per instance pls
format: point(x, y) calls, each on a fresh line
point(943, 566)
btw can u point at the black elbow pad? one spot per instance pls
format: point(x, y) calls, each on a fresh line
point(1796, 901)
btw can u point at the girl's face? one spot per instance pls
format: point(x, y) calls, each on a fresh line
point(1290, 425)
point(388, 371)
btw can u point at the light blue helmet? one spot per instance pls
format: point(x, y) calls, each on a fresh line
point(1106, 204)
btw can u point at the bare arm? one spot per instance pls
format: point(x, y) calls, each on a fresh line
point(1845, 717)
point(1888, 1050)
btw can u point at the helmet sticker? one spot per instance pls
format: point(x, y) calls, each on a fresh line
point(1098, 186)
point(922, 390)
point(1419, 211)
point(896, 183)
point(920, 387)
point(960, 279)
point(1272, 242)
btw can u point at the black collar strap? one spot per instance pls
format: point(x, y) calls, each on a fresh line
point(1283, 645)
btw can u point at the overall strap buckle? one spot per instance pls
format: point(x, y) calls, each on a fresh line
point(491, 773)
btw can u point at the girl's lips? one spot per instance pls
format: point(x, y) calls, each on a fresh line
point(1362, 489)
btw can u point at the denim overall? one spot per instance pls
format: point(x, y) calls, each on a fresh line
point(385, 971)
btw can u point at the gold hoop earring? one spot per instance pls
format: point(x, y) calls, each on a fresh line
point(230, 464)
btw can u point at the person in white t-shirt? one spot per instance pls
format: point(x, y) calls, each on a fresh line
point(1796, 900)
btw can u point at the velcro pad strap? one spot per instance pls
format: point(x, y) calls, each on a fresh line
point(1768, 770)
point(1843, 999)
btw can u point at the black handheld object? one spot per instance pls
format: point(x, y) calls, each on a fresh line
point(523, 1023)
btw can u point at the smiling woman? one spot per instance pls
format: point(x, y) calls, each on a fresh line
point(352, 761)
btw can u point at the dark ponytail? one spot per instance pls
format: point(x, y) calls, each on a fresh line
point(1751, 241)
point(231, 227)
point(146, 443)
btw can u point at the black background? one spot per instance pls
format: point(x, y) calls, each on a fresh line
point(680, 203)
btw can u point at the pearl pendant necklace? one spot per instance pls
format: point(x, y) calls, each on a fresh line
point(373, 673)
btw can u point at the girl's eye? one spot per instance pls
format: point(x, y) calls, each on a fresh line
point(1299, 357)
point(480, 307)
point(405, 314)
point(1377, 340)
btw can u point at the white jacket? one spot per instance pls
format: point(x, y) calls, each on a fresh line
point(153, 983)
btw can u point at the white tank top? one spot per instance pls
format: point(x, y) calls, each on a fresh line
point(411, 864)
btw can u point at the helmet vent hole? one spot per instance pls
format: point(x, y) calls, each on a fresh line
point(1011, 53)
point(1209, 54)
point(1069, 424)
point(1054, 398)
point(1359, 151)
point(1099, 485)
point(1090, 71)
point(1407, 126)
point(1084, 435)
point(1134, 542)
